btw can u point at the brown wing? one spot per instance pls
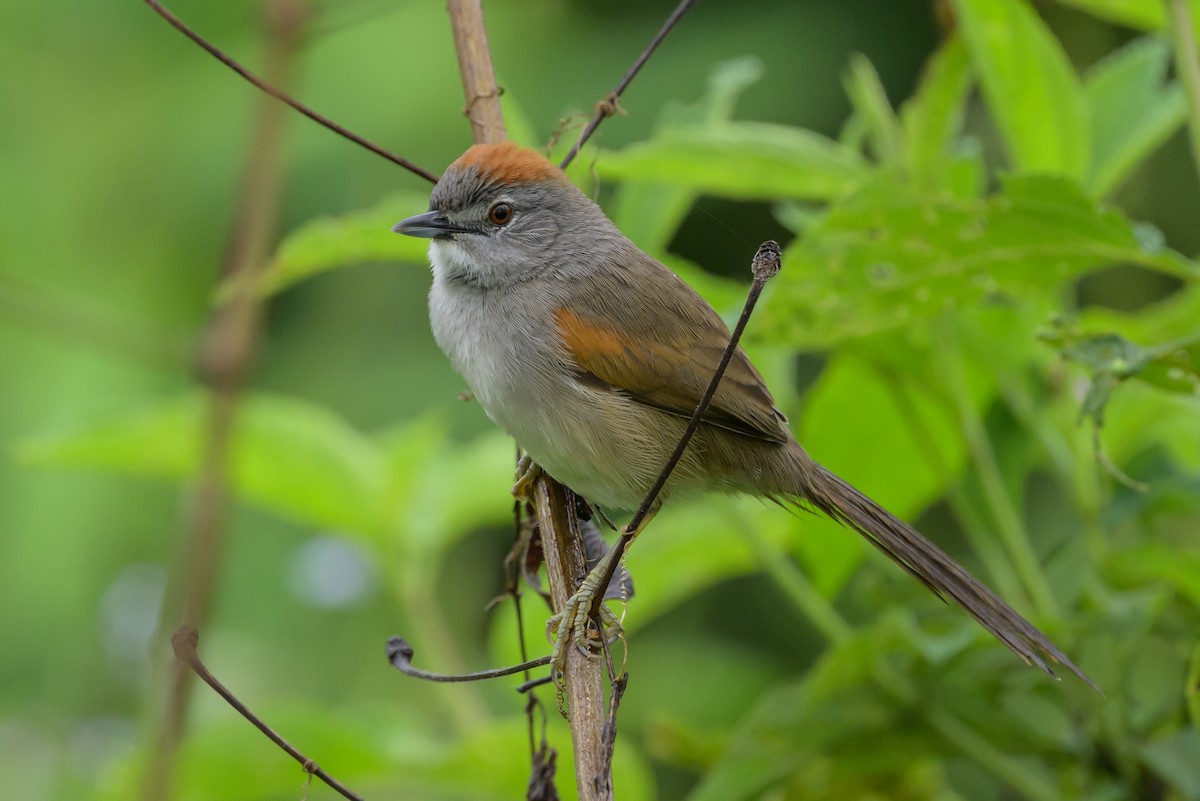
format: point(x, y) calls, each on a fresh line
point(671, 360)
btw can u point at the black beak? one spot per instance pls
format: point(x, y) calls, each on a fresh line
point(429, 224)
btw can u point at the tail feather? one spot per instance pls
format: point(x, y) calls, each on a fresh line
point(948, 579)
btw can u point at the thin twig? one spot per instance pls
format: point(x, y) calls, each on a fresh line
point(184, 644)
point(765, 266)
point(609, 737)
point(400, 654)
point(226, 354)
point(611, 102)
point(283, 96)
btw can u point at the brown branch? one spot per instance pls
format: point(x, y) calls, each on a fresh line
point(765, 266)
point(475, 66)
point(566, 565)
point(562, 543)
point(283, 96)
point(610, 105)
point(226, 353)
point(183, 642)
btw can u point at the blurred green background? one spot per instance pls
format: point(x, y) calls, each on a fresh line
point(121, 151)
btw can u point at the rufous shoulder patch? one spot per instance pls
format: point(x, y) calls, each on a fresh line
point(509, 163)
point(585, 342)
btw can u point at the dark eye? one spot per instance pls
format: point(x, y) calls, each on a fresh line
point(500, 214)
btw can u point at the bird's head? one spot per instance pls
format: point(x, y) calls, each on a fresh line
point(503, 214)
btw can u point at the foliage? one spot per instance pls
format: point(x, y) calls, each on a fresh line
point(937, 281)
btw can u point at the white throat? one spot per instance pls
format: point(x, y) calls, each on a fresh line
point(450, 261)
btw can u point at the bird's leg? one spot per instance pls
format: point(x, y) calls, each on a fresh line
point(573, 620)
point(527, 473)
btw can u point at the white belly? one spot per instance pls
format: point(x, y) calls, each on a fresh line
point(504, 344)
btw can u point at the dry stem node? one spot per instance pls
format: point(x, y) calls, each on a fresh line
point(607, 107)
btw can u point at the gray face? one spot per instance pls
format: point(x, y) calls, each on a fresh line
point(489, 234)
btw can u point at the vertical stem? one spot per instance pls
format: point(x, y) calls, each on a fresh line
point(1004, 512)
point(566, 567)
point(1187, 67)
point(226, 354)
point(475, 66)
point(562, 543)
point(990, 552)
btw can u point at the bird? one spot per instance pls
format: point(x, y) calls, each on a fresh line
point(593, 355)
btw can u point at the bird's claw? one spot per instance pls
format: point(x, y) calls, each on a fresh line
point(574, 623)
point(527, 473)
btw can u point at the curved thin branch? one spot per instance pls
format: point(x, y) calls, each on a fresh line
point(610, 104)
point(279, 94)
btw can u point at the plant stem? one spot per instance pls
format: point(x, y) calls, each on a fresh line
point(1187, 67)
point(1004, 512)
point(562, 543)
point(795, 585)
point(998, 566)
point(226, 355)
point(800, 591)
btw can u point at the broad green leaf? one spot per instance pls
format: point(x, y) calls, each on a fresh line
point(933, 117)
point(1160, 565)
point(330, 243)
point(1130, 110)
point(884, 258)
point(1112, 360)
point(1146, 15)
point(1173, 758)
point(289, 457)
point(750, 160)
point(650, 214)
point(1031, 89)
point(835, 734)
point(870, 103)
point(443, 490)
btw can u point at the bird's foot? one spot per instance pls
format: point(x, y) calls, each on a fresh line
point(527, 473)
point(576, 624)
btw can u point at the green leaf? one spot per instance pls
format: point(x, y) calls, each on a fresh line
point(898, 446)
point(694, 546)
point(430, 506)
point(870, 103)
point(835, 734)
point(933, 117)
point(1152, 564)
point(1174, 758)
point(1111, 360)
point(750, 160)
point(330, 243)
point(885, 258)
point(1145, 15)
point(650, 213)
point(288, 456)
point(1192, 686)
point(1031, 89)
point(1130, 110)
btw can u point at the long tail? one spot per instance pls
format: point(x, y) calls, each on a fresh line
point(929, 563)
